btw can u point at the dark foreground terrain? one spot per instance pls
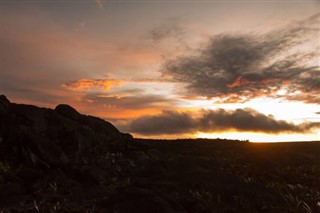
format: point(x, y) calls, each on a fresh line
point(61, 161)
point(207, 176)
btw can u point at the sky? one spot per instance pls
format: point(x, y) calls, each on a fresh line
point(247, 70)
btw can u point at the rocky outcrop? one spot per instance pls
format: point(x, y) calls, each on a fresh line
point(51, 138)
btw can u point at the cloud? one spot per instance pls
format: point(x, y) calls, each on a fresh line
point(148, 80)
point(248, 65)
point(124, 106)
point(220, 120)
point(80, 26)
point(170, 35)
point(141, 101)
point(168, 122)
point(89, 84)
point(172, 28)
point(40, 55)
point(106, 85)
point(99, 3)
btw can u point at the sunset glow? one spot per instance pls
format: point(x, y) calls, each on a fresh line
point(247, 70)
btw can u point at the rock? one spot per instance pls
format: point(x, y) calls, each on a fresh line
point(67, 111)
point(128, 139)
point(49, 152)
point(97, 124)
point(4, 107)
point(49, 138)
point(127, 136)
point(4, 103)
point(121, 141)
point(3, 98)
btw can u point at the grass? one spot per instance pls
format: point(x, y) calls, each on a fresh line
point(239, 176)
point(201, 175)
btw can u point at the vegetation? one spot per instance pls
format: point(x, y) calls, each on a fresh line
point(198, 175)
point(241, 177)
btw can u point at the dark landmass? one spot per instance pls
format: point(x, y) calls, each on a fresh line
point(62, 161)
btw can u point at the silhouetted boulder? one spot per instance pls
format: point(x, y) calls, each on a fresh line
point(122, 140)
point(67, 111)
point(50, 138)
point(4, 98)
point(41, 149)
point(4, 103)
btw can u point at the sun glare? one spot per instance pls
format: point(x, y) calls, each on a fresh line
point(296, 112)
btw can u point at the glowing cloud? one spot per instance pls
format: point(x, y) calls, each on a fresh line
point(91, 84)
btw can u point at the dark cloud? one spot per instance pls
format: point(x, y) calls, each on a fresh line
point(242, 120)
point(253, 65)
point(172, 28)
point(171, 35)
point(168, 122)
point(248, 120)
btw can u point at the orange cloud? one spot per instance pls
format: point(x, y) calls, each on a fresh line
point(117, 113)
point(239, 82)
point(88, 84)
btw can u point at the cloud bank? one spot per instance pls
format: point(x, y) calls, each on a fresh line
point(220, 120)
point(247, 66)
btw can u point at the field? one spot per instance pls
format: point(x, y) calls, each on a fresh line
point(172, 176)
point(207, 176)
